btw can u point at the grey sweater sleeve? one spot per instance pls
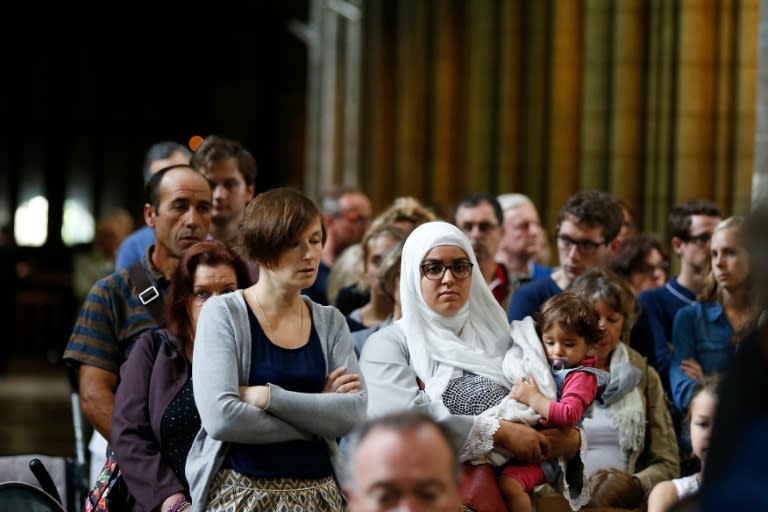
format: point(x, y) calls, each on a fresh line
point(219, 366)
point(392, 383)
point(329, 415)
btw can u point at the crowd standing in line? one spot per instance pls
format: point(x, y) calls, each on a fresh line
point(276, 375)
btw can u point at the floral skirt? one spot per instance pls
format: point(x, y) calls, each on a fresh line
point(233, 491)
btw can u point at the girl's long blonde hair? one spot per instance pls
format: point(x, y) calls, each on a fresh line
point(713, 292)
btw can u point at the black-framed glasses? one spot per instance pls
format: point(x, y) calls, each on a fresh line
point(585, 246)
point(435, 270)
point(701, 240)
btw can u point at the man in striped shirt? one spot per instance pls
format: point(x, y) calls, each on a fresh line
point(178, 207)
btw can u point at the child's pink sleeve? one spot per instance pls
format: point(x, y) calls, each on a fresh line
point(579, 390)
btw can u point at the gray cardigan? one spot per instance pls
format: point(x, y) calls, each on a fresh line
point(222, 360)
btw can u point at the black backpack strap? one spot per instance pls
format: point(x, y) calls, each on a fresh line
point(148, 294)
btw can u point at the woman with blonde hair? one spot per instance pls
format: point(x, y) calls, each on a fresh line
point(707, 333)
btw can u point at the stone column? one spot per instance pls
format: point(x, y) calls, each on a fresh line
point(760, 175)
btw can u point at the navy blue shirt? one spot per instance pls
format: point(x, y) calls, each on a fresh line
point(527, 300)
point(660, 306)
point(301, 370)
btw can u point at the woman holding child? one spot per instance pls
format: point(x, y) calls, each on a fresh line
point(444, 356)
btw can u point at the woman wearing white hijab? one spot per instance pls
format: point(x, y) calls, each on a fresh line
point(444, 355)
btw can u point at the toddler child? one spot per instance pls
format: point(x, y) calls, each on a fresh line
point(569, 326)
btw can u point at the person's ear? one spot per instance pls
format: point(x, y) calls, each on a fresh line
point(149, 215)
point(250, 191)
point(677, 244)
point(613, 246)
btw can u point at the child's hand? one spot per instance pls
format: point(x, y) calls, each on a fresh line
point(525, 390)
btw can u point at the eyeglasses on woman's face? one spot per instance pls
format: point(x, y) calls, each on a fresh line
point(435, 270)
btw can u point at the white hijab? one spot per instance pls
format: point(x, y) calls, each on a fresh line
point(475, 339)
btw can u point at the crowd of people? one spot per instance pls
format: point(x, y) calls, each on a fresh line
point(346, 361)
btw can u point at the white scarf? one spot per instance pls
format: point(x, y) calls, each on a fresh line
point(628, 412)
point(474, 339)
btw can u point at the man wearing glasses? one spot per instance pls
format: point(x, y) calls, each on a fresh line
point(587, 229)
point(480, 217)
point(691, 225)
point(347, 214)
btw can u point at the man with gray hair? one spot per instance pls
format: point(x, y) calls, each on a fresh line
point(402, 461)
point(522, 239)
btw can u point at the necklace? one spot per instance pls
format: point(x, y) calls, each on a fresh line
point(266, 318)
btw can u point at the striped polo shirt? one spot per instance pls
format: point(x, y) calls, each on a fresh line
point(111, 319)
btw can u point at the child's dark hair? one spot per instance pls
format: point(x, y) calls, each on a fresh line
point(616, 489)
point(573, 313)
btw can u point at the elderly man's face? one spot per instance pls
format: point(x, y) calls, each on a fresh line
point(410, 470)
point(522, 231)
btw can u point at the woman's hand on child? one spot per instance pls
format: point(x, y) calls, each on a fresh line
point(523, 442)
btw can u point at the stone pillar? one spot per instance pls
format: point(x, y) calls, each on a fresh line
point(760, 175)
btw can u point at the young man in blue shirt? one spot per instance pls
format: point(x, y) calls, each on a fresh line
point(690, 225)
